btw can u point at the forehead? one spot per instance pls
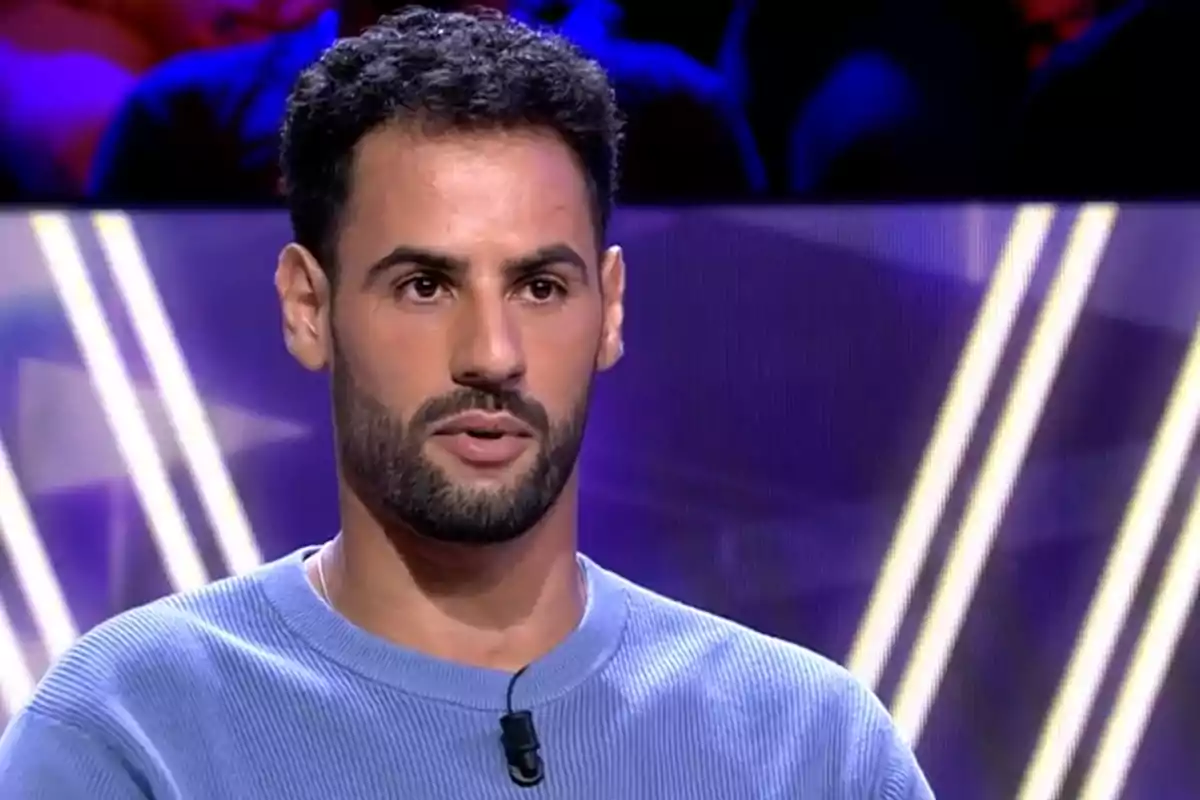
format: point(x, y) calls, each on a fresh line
point(476, 195)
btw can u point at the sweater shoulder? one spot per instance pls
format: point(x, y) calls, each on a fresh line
point(166, 653)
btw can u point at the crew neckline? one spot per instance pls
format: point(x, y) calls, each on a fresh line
point(580, 655)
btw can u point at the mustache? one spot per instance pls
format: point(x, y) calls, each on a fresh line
point(438, 409)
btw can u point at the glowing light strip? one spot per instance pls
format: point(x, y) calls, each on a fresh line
point(1006, 453)
point(943, 456)
point(186, 413)
point(1152, 657)
point(115, 389)
point(1113, 598)
point(16, 679)
point(32, 567)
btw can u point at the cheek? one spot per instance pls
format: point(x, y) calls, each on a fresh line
point(561, 359)
point(398, 359)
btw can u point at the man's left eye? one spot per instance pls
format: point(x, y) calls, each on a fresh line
point(541, 289)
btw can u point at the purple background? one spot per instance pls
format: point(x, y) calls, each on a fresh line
point(751, 454)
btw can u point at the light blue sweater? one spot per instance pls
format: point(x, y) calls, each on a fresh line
point(254, 688)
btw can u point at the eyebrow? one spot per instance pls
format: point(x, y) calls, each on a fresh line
point(550, 255)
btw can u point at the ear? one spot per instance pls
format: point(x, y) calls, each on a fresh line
point(304, 298)
point(612, 287)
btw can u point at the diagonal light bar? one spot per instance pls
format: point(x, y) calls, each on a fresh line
point(192, 428)
point(1111, 603)
point(943, 456)
point(1023, 408)
point(1152, 657)
point(16, 679)
point(31, 566)
point(126, 418)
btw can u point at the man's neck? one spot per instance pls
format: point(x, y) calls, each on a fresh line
point(499, 606)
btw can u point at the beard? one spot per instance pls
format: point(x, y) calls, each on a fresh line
point(383, 460)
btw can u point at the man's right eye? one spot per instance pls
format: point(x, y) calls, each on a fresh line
point(421, 288)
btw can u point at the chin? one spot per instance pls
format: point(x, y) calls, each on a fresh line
point(487, 488)
point(472, 519)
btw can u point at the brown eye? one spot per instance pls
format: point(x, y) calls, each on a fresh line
point(422, 288)
point(543, 290)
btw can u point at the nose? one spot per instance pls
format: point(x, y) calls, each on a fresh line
point(487, 353)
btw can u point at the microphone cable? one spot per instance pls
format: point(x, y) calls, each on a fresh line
point(520, 741)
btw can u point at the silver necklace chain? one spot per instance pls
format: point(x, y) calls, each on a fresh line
point(322, 587)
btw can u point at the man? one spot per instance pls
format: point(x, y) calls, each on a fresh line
point(449, 179)
point(916, 109)
point(205, 127)
point(679, 111)
point(67, 65)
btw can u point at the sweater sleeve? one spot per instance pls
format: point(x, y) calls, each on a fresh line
point(44, 759)
point(895, 773)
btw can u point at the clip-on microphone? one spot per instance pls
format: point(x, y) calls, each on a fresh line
point(520, 742)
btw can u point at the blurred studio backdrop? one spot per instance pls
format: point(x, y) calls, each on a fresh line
point(912, 372)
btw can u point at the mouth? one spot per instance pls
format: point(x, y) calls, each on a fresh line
point(480, 425)
point(484, 441)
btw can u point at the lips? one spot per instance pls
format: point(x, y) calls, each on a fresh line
point(481, 439)
point(483, 425)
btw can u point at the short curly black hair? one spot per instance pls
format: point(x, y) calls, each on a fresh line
point(442, 71)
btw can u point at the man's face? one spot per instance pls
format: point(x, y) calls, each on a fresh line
point(470, 313)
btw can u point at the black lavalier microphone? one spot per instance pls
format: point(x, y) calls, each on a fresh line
point(520, 741)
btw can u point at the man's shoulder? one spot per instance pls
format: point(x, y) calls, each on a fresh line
point(777, 693)
point(764, 665)
point(165, 651)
